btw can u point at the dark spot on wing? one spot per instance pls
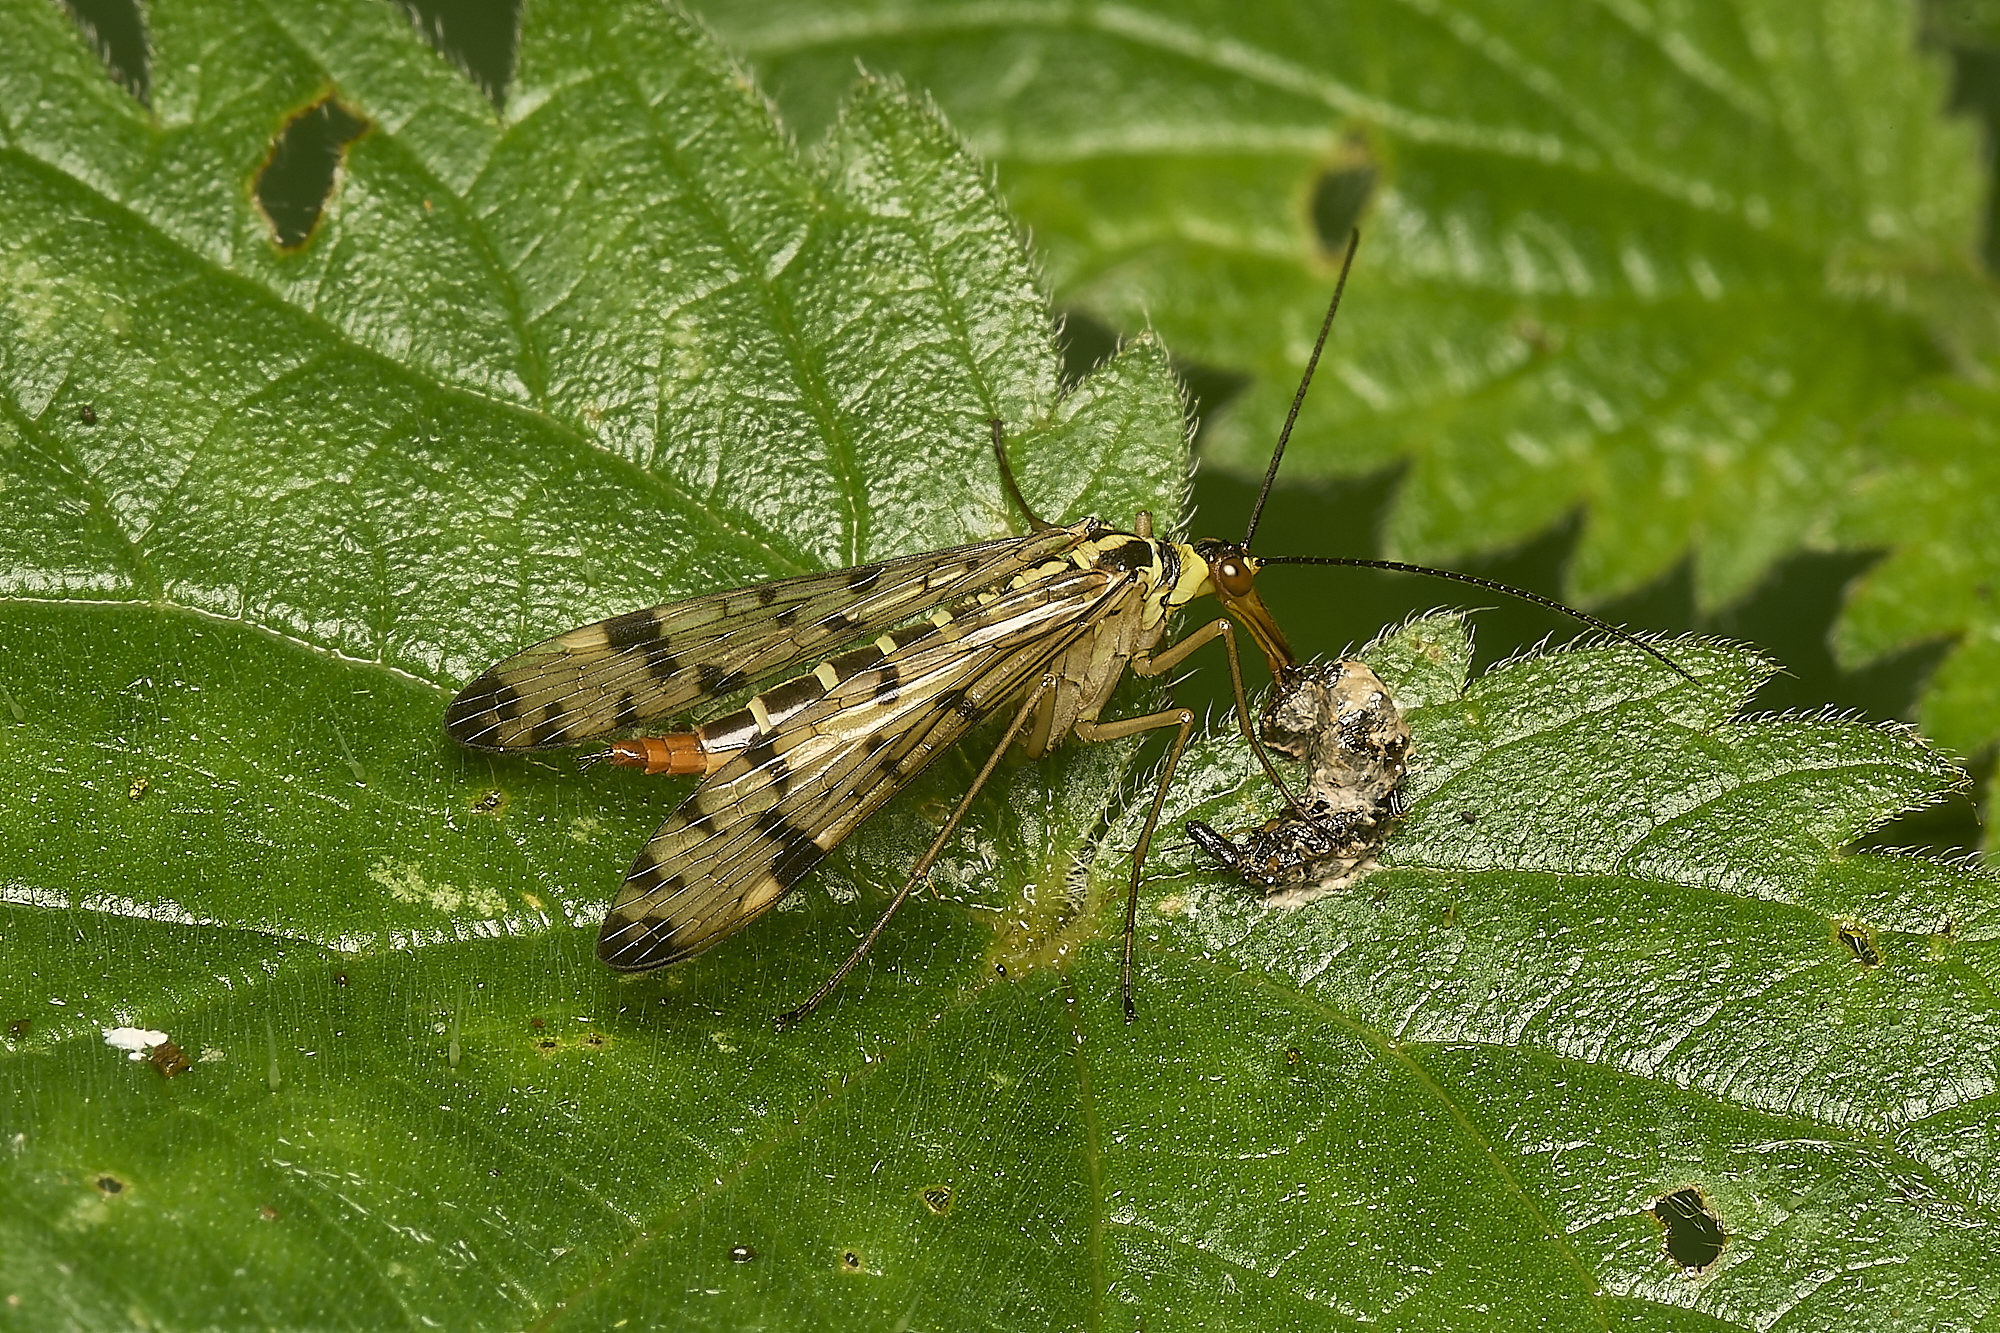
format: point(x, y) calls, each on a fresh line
point(551, 729)
point(660, 663)
point(781, 701)
point(764, 757)
point(632, 628)
point(890, 685)
point(714, 680)
point(797, 852)
point(767, 593)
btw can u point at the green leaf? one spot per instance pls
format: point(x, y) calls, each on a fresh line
point(1657, 264)
point(630, 343)
point(1934, 504)
point(1615, 951)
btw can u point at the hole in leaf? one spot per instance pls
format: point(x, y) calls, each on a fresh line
point(937, 1198)
point(850, 1261)
point(118, 32)
point(298, 176)
point(1694, 1234)
point(1860, 942)
point(1339, 197)
point(478, 36)
point(489, 802)
point(109, 1185)
point(1084, 343)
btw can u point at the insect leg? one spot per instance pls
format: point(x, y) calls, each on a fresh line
point(791, 1017)
point(1111, 731)
point(1160, 662)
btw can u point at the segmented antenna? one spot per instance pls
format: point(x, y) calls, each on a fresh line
point(1299, 398)
point(1397, 566)
point(1491, 585)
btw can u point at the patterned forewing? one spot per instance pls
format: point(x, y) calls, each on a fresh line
point(619, 673)
point(760, 822)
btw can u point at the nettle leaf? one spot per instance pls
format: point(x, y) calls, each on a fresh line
point(264, 508)
point(1615, 958)
point(1658, 263)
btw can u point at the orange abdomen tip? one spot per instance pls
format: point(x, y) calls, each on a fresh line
point(673, 754)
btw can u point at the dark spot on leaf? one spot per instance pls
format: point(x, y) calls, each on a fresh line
point(1694, 1234)
point(87, 414)
point(267, 1212)
point(139, 787)
point(109, 1186)
point(537, 1024)
point(1339, 196)
point(18, 1029)
point(1468, 816)
point(1860, 942)
point(850, 1261)
point(169, 1059)
point(1000, 969)
point(297, 177)
point(1292, 1056)
point(489, 802)
point(594, 1041)
point(937, 1198)
point(741, 1254)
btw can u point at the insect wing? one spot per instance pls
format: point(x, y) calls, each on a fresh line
point(765, 818)
point(619, 673)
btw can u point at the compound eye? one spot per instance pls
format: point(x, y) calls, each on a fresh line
point(1233, 575)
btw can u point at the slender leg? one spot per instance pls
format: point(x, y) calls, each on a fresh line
point(1182, 718)
point(924, 862)
point(1172, 657)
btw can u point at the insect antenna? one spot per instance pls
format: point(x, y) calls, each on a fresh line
point(1305, 381)
point(1395, 566)
point(1491, 585)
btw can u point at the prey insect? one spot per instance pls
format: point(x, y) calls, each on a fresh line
point(1342, 721)
point(908, 655)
